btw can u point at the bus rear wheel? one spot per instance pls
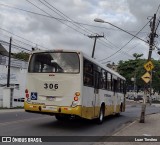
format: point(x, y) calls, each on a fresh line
point(101, 115)
point(120, 110)
point(62, 117)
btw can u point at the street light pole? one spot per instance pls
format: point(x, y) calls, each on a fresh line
point(102, 21)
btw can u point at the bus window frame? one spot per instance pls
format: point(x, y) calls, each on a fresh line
point(88, 77)
point(54, 72)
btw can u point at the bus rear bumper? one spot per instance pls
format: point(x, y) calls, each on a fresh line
point(44, 109)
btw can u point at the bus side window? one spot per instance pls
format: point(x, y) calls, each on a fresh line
point(103, 79)
point(37, 67)
point(106, 80)
point(88, 73)
point(87, 80)
point(109, 81)
point(118, 85)
point(112, 82)
point(121, 86)
point(124, 87)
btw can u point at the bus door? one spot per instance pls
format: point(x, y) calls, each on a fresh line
point(96, 93)
point(115, 87)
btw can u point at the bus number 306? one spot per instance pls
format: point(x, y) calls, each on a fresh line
point(50, 86)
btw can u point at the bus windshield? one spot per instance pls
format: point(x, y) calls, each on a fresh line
point(53, 62)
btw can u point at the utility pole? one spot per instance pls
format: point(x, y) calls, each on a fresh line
point(96, 36)
point(150, 92)
point(9, 62)
point(152, 36)
point(135, 84)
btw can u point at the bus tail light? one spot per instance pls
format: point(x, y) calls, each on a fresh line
point(75, 98)
point(77, 93)
point(26, 91)
point(27, 94)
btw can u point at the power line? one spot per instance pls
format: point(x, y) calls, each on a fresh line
point(65, 16)
point(56, 19)
point(72, 21)
point(22, 38)
point(118, 56)
point(63, 19)
point(17, 40)
point(53, 18)
point(114, 46)
point(157, 9)
point(118, 48)
point(14, 46)
point(126, 43)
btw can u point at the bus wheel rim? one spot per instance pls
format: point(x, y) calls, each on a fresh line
point(101, 115)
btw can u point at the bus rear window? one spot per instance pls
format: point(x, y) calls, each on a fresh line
point(50, 62)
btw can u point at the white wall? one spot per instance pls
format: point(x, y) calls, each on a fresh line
point(17, 76)
point(1, 97)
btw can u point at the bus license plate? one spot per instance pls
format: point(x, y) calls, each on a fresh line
point(53, 108)
point(51, 98)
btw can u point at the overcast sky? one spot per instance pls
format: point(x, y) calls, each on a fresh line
point(52, 33)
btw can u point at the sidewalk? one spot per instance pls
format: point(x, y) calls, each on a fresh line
point(150, 128)
point(11, 110)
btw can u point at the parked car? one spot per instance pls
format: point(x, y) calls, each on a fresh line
point(138, 98)
point(130, 97)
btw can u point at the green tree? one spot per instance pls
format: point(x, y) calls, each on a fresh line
point(21, 55)
point(131, 68)
point(135, 68)
point(136, 55)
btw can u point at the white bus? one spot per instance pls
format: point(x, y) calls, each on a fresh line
point(69, 83)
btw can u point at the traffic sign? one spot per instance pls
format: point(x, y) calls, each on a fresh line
point(146, 77)
point(149, 66)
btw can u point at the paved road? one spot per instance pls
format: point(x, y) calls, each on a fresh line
point(27, 124)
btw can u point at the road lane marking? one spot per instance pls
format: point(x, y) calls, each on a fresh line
point(24, 120)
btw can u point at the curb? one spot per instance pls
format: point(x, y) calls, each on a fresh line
point(11, 110)
point(129, 124)
point(156, 105)
point(123, 128)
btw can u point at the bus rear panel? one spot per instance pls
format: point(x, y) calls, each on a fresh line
point(53, 83)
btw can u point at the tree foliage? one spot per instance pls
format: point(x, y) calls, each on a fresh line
point(135, 69)
point(136, 55)
point(21, 55)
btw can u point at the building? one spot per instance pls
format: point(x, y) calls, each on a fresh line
point(112, 66)
point(18, 71)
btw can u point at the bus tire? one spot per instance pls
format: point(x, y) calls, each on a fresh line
point(101, 115)
point(121, 107)
point(120, 110)
point(59, 117)
point(62, 117)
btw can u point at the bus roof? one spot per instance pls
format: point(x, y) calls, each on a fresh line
point(86, 56)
